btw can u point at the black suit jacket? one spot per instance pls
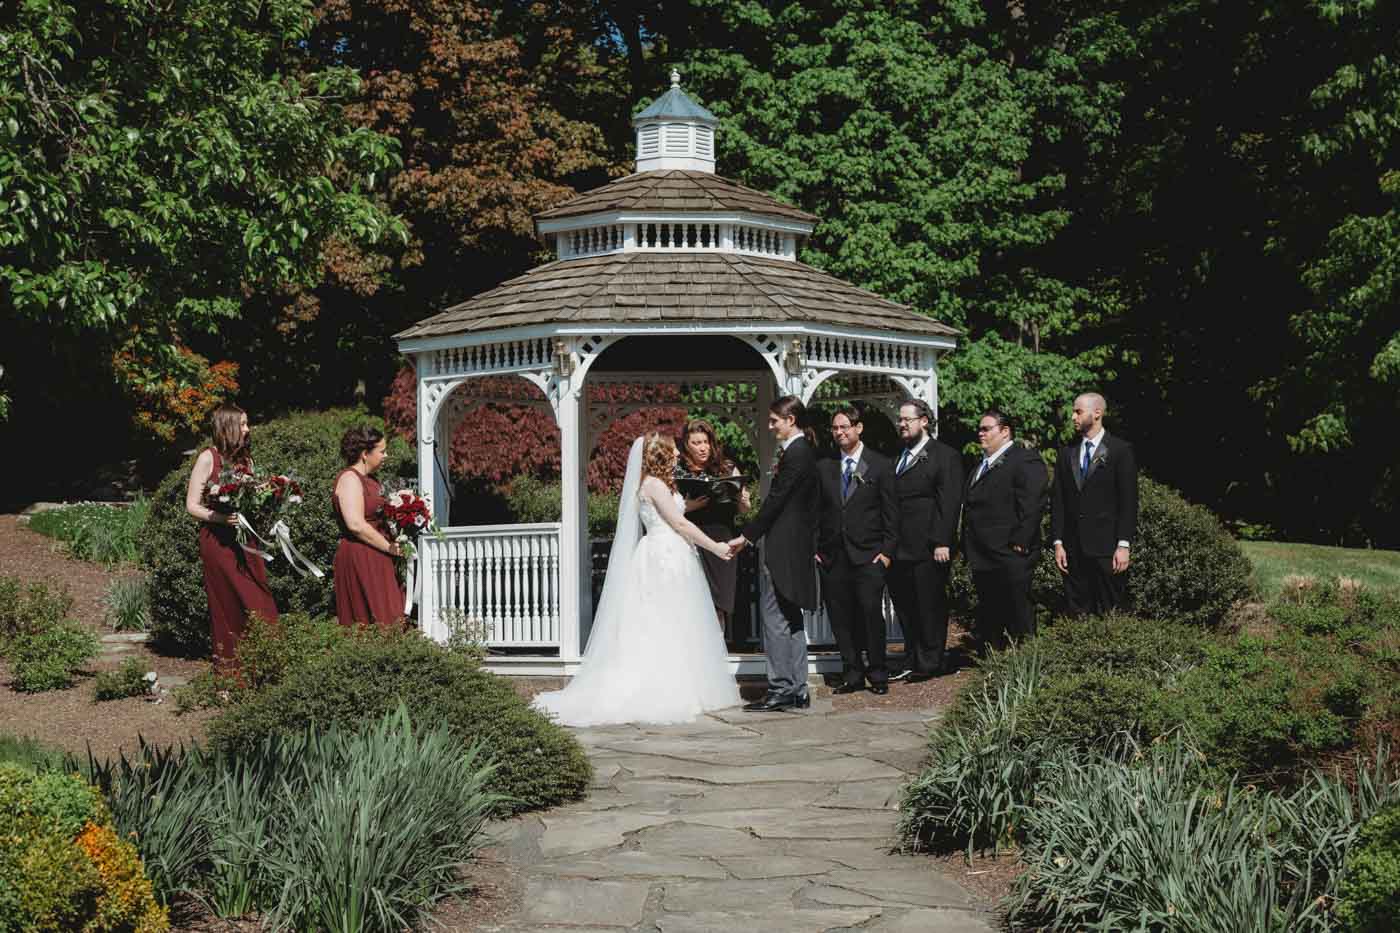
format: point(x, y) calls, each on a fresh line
point(867, 521)
point(788, 519)
point(1091, 515)
point(1002, 509)
point(930, 492)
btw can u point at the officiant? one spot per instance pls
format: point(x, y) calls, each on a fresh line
point(702, 458)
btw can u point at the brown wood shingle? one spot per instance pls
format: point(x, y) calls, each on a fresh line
point(675, 287)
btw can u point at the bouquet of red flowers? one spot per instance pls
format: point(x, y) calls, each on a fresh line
point(407, 514)
point(260, 500)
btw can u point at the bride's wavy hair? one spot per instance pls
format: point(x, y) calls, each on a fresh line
point(659, 458)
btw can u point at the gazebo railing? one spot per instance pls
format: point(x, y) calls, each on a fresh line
point(502, 580)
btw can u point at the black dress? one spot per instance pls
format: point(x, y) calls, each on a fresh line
point(717, 521)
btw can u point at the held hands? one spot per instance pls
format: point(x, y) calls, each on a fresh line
point(1062, 559)
point(942, 554)
point(721, 550)
point(1120, 559)
point(736, 545)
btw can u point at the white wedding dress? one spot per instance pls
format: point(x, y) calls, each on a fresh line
point(656, 653)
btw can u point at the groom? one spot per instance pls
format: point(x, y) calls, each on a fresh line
point(787, 581)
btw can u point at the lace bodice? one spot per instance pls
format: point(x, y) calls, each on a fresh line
point(652, 520)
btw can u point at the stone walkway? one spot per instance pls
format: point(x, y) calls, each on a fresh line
point(774, 822)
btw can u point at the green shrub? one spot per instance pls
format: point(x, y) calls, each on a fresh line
point(328, 828)
point(1370, 890)
point(1150, 845)
point(29, 610)
point(306, 446)
point(128, 604)
point(1185, 566)
point(129, 680)
point(365, 673)
point(29, 753)
point(51, 659)
point(62, 867)
point(102, 532)
point(532, 500)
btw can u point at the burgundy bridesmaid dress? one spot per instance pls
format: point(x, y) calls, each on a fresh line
point(367, 586)
point(235, 582)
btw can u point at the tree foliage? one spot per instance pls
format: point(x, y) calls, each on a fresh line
point(161, 163)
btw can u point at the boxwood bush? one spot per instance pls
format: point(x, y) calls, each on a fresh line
point(1370, 891)
point(330, 675)
point(305, 446)
point(1185, 566)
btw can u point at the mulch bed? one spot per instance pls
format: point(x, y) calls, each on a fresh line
point(72, 719)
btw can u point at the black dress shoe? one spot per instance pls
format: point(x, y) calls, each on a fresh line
point(846, 688)
point(918, 677)
point(880, 689)
point(764, 704)
point(802, 702)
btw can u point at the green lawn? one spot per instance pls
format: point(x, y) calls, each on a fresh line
point(1274, 560)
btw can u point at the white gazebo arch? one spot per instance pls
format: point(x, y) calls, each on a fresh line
point(648, 268)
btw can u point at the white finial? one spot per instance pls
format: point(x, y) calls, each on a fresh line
point(675, 78)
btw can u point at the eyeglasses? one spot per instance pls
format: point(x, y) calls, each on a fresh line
point(987, 428)
point(910, 420)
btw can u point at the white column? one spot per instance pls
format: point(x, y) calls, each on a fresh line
point(429, 484)
point(575, 598)
point(931, 388)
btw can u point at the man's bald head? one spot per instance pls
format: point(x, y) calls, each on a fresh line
point(1089, 408)
point(1092, 400)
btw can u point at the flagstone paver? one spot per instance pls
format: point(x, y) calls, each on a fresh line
point(774, 822)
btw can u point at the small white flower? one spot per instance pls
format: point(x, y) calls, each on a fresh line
point(419, 520)
point(213, 487)
point(294, 500)
point(223, 498)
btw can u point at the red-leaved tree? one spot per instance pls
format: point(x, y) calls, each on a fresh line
point(498, 441)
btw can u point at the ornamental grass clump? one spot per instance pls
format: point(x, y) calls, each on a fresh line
point(982, 773)
point(342, 828)
point(106, 533)
point(1145, 841)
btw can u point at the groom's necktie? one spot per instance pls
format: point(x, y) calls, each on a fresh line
point(846, 478)
point(1088, 457)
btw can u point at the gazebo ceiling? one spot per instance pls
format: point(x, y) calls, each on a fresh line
point(674, 190)
point(675, 288)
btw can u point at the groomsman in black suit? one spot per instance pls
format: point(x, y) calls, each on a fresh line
point(787, 579)
point(1094, 511)
point(859, 516)
point(1001, 530)
point(929, 487)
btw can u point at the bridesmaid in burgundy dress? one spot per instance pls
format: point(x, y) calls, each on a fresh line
point(235, 581)
point(367, 586)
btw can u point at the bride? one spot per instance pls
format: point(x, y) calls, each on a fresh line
point(655, 654)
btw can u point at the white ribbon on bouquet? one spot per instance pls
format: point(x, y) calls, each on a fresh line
point(283, 535)
point(410, 583)
point(247, 526)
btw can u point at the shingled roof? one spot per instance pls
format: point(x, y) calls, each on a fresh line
point(675, 190)
point(662, 287)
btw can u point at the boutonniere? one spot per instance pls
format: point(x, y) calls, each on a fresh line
point(859, 478)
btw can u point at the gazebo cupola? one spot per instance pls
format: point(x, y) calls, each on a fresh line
point(675, 132)
point(675, 202)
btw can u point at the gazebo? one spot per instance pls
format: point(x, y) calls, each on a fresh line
point(672, 275)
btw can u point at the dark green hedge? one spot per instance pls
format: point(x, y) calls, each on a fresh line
point(304, 445)
point(329, 674)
